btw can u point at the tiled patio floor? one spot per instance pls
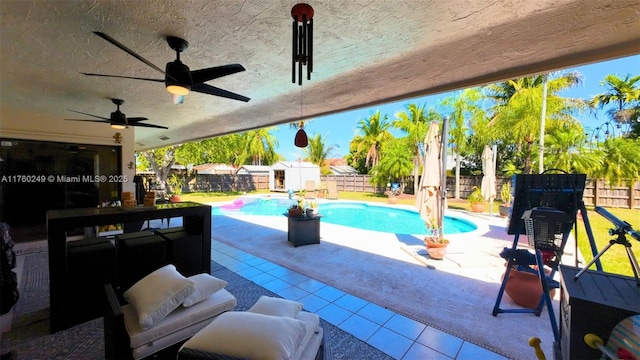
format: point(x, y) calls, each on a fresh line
point(392, 333)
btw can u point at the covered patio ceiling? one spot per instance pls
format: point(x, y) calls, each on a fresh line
point(365, 53)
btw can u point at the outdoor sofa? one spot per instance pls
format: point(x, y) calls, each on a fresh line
point(153, 314)
point(164, 309)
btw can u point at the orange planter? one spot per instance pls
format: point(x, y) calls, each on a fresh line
point(436, 250)
point(294, 212)
point(524, 288)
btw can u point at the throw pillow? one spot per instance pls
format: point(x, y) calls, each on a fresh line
point(158, 294)
point(206, 285)
point(250, 335)
point(268, 305)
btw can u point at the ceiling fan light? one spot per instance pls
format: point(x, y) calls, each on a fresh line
point(118, 126)
point(176, 89)
point(301, 139)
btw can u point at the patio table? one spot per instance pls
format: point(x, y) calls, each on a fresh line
point(303, 230)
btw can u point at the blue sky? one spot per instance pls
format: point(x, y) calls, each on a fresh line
point(341, 128)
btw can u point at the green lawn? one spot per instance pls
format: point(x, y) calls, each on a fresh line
point(614, 260)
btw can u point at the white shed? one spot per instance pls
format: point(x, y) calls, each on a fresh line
point(285, 175)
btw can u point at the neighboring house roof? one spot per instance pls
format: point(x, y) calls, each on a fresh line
point(336, 162)
point(343, 170)
point(214, 169)
point(281, 165)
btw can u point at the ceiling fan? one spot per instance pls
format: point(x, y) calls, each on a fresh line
point(178, 79)
point(117, 119)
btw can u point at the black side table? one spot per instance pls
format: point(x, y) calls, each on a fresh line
point(594, 303)
point(304, 230)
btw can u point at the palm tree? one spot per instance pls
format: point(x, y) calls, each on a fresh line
point(396, 164)
point(623, 93)
point(622, 160)
point(259, 146)
point(413, 123)
point(565, 151)
point(317, 152)
point(374, 133)
point(620, 156)
point(518, 104)
point(464, 110)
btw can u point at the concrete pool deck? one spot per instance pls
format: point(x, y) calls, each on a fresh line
point(455, 295)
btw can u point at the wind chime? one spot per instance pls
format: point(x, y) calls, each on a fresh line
point(302, 54)
point(302, 41)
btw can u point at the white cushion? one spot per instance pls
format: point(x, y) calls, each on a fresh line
point(268, 305)
point(312, 324)
point(158, 294)
point(206, 285)
point(250, 335)
point(179, 318)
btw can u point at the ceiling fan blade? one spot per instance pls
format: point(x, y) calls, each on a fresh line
point(95, 116)
point(127, 50)
point(212, 90)
point(124, 77)
point(100, 121)
point(203, 75)
point(148, 125)
point(133, 120)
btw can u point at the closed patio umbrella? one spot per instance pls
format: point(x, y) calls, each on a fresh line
point(429, 199)
point(488, 186)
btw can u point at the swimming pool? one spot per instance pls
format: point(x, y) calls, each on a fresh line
point(353, 214)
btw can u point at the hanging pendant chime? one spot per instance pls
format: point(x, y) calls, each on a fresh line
point(301, 140)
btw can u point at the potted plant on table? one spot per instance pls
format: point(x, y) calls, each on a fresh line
point(293, 211)
point(506, 197)
point(314, 206)
point(176, 184)
point(297, 208)
point(476, 200)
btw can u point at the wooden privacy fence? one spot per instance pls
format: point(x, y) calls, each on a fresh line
point(357, 183)
point(596, 193)
point(600, 193)
point(227, 182)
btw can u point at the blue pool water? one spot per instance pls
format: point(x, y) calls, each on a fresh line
point(353, 214)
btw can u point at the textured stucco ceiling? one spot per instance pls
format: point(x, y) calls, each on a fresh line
point(366, 53)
